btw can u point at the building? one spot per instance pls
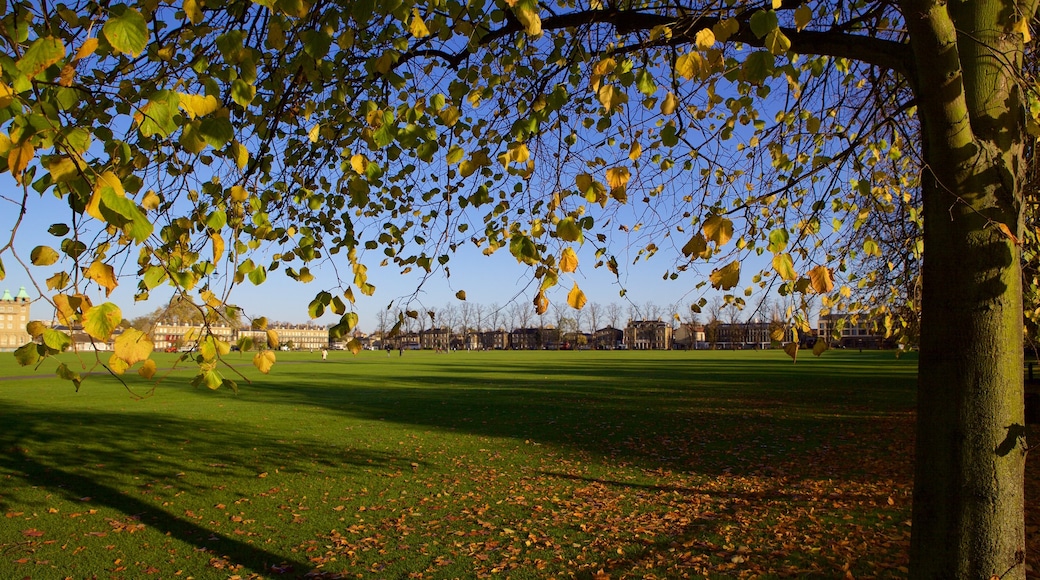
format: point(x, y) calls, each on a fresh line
point(849, 331)
point(494, 339)
point(174, 335)
point(526, 339)
point(648, 335)
point(438, 338)
point(689, 336)
point(607, 338)
point(14, 316)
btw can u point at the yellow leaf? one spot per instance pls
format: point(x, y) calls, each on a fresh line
point(218, 246)
point(86, 49)
point(669, 104)
point(611, 98)
point(541, 303)
point(6, 95)
point(239, 193)
point(784, 266)
point(105, 180)
point(354, 346)
point(103, 275)
point(569, 260)
point(777, 332)
point(240, 153)
point(689, 65)
point(576, 298)
point(725, 29)
point(791, 349)
point(617, 177)
point(635, 151)
point(314, 133)
point(718, 229)
point(821, 279)
point(150, 201)
point(264, 360)
point(1022, 27)
point(18, 159)
point(450, 115)
point(193, 11)
point(461, 294)
point(358, 163)
point(777, 4)
point(148, 369)
point(35, 329)
point(133, 346)
point(726, 277)
point(418, 27)
point(198, 105)
point(705, 39)
point(526, 12)
point(272, 339)
point(697, 247)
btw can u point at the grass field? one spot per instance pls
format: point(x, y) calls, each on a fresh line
point(470, 464)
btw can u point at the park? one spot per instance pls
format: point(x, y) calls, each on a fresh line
point(470, 464)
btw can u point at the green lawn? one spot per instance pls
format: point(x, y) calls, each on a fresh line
point(505, 464)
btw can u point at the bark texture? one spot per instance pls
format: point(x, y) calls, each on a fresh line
point(968, 511)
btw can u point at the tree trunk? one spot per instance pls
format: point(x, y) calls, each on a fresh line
point(970, 450)
point(968, 511)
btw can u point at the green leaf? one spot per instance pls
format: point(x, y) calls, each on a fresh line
point(763, 22)
point(523, 249)
point(217, 132)
point(123, 213)
point(568, 230)
point(56, 340)
point(258, 275)
point(156, 116)
point(127, 32)
point(778, 239)
point(64, 372)
point(759, 66)
point(40, 55)
point(28, 354)
point(99, 321)
point(777, 42)
point(154, 276)
point(242, 92)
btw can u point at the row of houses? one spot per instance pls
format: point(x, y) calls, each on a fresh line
point(841, 330)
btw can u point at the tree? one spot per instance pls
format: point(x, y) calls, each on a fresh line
point(185, 137)
point(594, 311)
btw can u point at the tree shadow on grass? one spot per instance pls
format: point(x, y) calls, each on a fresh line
point(709, 418)
point(91, 457)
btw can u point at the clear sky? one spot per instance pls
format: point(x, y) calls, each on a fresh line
point(485, 279)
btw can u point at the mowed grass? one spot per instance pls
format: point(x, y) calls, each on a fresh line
point(469, 464)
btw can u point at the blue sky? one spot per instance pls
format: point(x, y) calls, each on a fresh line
point(485, 279)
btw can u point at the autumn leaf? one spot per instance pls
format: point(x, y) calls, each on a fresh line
point(103, 275)
point(718, 229)
point(726, 277)
point(576, 298)
point(100, 321)
point(133, 346)
point(264, 360)
point(821, 279)
point(568, 260)
point(791, 349)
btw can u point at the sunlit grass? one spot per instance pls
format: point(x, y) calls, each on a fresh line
point(637, 464)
